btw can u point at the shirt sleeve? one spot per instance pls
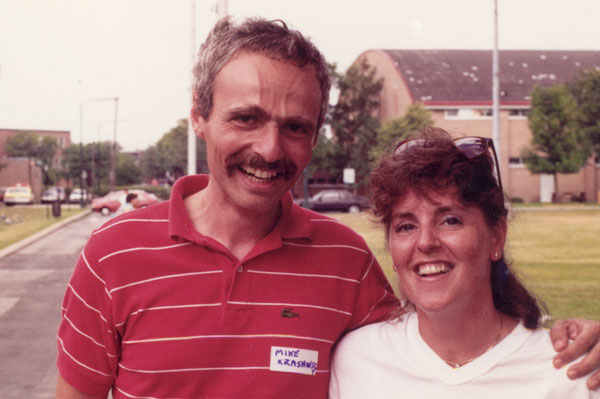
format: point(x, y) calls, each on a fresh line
point(376, 300)
point(88, 343)
point(347, 381)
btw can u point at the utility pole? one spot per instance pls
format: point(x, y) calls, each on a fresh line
point(82, 201)
point(496, 87)
point(222, 9)
point(113, 153)
point(114, 147)
point(191, 154)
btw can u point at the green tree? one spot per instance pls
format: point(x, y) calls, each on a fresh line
point(353, 119)
point(414, 121)
point(73, 163)
point(32, 146)
point(22, 144)
point(558, 145)
point(586, 90)
point(323, 159)
point(169, 154)
point(45, 154)
point(126, 171)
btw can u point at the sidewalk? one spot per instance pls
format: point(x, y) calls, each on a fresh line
point(31, 239)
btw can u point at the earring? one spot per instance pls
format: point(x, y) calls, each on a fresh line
point(496, 255)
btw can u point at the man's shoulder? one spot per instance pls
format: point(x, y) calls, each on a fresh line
point(136, 223)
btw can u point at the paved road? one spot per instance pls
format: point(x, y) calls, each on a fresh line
point(32, 284)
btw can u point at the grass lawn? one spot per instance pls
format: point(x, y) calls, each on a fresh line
point(26, 220)
point(555, 253)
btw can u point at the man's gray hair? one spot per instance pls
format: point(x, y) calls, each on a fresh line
point(270, 38)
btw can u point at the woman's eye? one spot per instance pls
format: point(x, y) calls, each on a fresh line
point(405, 227)
point(452, 221)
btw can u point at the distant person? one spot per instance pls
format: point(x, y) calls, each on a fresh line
point(129, 204)
point(228, 290)
point(472, 330)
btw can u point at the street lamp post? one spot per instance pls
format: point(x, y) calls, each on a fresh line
point(81, 201)
point(113, 154)
point(81, 105)
point(98, 140)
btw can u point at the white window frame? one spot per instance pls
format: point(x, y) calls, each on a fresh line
point(468, 113)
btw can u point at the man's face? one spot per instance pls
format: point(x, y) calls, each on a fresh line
point(259, 134)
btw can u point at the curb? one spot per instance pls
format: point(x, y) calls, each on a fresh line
point(31, 239)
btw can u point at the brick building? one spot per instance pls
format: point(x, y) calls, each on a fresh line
point(21, 170)
point(456, 87)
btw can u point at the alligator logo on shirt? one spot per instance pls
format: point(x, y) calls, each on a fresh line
point(288, 313)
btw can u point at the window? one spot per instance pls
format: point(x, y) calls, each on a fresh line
point(518, 113)
point(469, 113)
point(330, 197)
point(515, 162)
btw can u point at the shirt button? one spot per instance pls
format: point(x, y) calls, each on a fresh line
point(240, 269)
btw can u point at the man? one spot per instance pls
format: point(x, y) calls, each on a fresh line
point(229, 289)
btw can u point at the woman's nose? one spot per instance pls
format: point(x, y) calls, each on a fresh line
point(428, 238)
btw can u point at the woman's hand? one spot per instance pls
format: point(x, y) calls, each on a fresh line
point(586, 337)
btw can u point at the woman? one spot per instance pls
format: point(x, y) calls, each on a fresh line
point(471, 329)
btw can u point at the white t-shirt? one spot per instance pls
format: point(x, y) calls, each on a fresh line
point(391, 360)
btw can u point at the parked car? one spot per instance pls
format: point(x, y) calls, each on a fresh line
point(337, 200)
point(111, 202)
point(76, 195)
point(19, 194)
point(53, 194)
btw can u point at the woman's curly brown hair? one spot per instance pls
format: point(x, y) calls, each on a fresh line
point(432, 163)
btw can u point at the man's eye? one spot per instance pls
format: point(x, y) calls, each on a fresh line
point(297, 128)
point(245, 118)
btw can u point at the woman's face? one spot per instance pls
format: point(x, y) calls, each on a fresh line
point(442, 250)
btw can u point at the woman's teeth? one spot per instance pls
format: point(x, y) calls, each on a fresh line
point(435, 268)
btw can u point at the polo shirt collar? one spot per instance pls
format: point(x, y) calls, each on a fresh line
point(294, 222)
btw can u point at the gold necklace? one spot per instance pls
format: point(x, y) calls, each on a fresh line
point(494, 343)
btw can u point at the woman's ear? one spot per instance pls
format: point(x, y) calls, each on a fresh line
point(499, 232)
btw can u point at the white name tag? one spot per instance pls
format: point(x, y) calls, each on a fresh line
point(293, 360)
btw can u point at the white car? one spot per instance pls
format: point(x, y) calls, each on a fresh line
point(53, 194)
point(76, 195)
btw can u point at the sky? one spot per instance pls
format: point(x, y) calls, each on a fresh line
point(63, 62)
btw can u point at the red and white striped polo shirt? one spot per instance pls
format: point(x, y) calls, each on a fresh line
point(156, 310)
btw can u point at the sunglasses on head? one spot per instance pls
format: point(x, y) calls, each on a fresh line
point(470, 146)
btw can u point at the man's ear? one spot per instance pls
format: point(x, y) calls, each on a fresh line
point(315, 139)
point(198, 123)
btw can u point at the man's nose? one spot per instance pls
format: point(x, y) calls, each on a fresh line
point(268, 144)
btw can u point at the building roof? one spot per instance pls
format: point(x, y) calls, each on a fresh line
point(454, 77)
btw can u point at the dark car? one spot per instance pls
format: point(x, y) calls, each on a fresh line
point(337, 200)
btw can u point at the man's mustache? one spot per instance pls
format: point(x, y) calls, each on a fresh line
point(283, 166)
